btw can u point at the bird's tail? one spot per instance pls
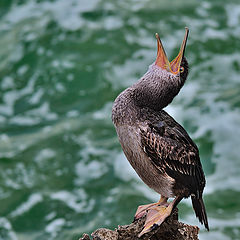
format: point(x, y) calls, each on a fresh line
point(200, 211)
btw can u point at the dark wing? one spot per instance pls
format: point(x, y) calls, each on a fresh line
point(173, 152)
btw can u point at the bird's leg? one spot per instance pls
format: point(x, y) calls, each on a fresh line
point(142, 210)
point(162, 200)
point(157, 214)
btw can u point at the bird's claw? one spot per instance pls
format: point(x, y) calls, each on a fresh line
point(142, 210)
point(155, 217)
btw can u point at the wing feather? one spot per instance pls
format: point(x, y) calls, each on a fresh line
point(173, 152)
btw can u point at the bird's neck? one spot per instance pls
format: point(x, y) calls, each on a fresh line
point(156, 89)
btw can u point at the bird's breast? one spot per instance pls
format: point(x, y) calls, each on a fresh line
point(130, 140)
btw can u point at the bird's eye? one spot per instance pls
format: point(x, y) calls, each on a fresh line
point(181, 69)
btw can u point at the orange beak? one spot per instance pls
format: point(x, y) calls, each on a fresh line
point(162, 60)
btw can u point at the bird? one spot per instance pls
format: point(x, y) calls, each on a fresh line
point(157, 147)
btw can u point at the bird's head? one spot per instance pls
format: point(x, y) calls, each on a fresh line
point(163, 80)
point(178, 67)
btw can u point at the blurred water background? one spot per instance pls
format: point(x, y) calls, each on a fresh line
point(62, 63)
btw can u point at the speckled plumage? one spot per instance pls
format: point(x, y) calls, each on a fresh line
point(157, 147)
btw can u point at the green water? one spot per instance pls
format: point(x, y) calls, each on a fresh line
point(62, 63)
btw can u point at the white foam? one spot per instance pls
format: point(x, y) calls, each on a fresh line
point(104, 113)
point(126, 74)
point(66, 13)
point(6, 229)
point(111, 23)
point(33, 199)
point(22, 70)
point(45, 154)
point(120, 163)
point(233, 14)
point(91, 170)
point(214, 235)
point(50, 216)
point(42, 111)
point(55, 226)
point(217, 226)
point(24, 121)
point(72, 114)
point(7, 83)
point(36, 97)
point(77, 201)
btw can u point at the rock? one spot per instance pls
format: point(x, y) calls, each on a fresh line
point(171, 229)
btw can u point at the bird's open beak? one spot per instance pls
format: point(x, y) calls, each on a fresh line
point(162, 60)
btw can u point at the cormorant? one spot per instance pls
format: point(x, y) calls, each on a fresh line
point(157, 147)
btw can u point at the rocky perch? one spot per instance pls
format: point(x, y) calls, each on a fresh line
point(171, 229)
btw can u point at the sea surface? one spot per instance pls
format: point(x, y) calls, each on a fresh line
point(62, 64)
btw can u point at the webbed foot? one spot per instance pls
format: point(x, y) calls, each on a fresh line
point(155, 217)
point(143, 209)
point(157, 214)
